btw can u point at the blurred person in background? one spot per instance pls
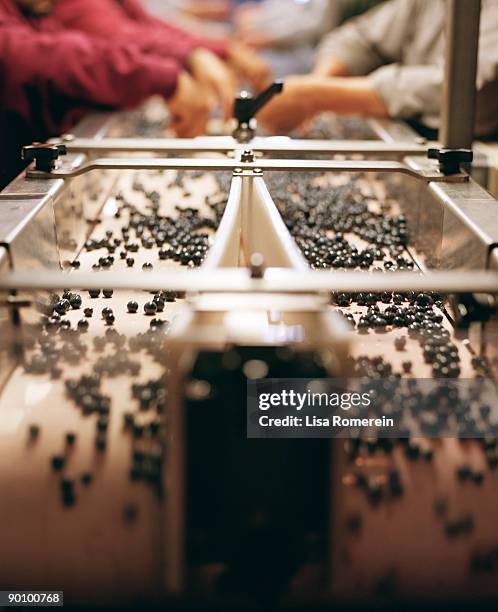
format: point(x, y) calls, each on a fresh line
point(288, 31)
point(289, 23)
point(212, 62)
point(389, 63)
point(52, 72)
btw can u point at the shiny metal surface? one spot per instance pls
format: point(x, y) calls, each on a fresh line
point(430, 173)
point(21, 188)
point(275, 280)
point(276, 144)
point(459, 88)
point(8, 357)
point(70, 220)
point(96, 125)
point(452, 226)
point(407, 191)
point(75, 206)
point(73, 202)
point(43, 224)
point(27, 231)
point(487, 335)
point(390, 130)
point(470, 226)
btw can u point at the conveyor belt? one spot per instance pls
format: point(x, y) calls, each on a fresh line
point(107, 533)
point(106, 537)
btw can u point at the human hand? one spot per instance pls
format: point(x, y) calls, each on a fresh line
point(216, 77)
point(190, 107)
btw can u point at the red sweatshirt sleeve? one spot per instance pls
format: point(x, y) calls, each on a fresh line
point(91, 71)
point(126, 21)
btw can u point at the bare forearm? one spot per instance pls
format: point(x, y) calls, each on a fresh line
point(305, 96)
point(328, 67)
point(350, 95)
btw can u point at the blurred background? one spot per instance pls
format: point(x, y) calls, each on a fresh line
point(61, 59)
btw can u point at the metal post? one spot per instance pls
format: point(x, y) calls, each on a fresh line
point(459, 92)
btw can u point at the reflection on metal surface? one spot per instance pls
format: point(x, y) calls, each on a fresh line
point(487, 334)
point(8, 359)
point(452, 226)
point(27, 230)
point(470, 225)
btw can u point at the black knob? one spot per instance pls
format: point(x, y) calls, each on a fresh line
point(247, 156)
point(44, 155)
point(469, 308)
point(450, 159)
point(246, 106)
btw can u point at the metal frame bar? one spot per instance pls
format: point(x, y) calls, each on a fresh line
point(220, 144)
point(236, 166)
point(459, 92)
point(275, 280)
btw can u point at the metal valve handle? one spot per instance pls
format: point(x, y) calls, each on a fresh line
point(246, 107)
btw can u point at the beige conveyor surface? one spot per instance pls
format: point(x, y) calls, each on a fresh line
point(109, 541)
